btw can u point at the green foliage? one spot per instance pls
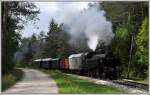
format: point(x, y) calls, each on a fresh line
point(144, 81)
point(41, 45)
point(69, 84)
point(29, 48)
point(52, 45)
point(122, 40)
point(56, 44)
point(142, 43)
point(11, 78)
point(118, 12)
point(141, 54)
point(121, 32)
point(13, 15)
point(112, 12)
point(126, 18)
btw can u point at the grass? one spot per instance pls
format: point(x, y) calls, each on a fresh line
point(140, 80)
point(11, 78)
point(144, 81)
point(69, 84)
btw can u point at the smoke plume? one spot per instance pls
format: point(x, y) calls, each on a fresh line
point(90, 24)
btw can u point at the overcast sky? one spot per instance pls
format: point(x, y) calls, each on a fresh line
point(49, 10)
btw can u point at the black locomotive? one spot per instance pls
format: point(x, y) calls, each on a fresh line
point(102, 64)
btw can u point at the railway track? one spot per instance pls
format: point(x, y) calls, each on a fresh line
point(132, 84)
point(126, 85)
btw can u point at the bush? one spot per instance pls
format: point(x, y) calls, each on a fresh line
point(11, 78)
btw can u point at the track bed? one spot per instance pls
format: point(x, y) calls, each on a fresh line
point(131, 84)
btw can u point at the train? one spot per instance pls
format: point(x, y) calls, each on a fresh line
point(99, 64)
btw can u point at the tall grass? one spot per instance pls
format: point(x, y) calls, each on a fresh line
point(11, 78)
point(70, 84)
point(144, 81)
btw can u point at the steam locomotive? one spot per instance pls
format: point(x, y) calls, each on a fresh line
point(100, 64)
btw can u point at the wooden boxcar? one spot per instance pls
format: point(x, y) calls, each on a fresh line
point(64, 64)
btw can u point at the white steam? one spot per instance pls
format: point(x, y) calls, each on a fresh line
point(91, 24)
point(92, 43)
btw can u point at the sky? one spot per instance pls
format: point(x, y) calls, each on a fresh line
point(49, 10)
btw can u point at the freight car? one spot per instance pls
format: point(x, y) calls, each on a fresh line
point(64, 64)
point(55, 63)
point(75, 61)
point(46, 63)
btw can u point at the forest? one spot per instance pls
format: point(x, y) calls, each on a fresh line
point(129, 45)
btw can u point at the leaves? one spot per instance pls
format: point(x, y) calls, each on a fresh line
point(13, 13)
point(56, 41)
point(126, 18)
point(142, 43)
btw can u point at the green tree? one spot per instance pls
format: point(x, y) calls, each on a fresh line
point(28, 48)
point(56, 41)
point(40, 46)
point(118, 12)
point(51, 40)
point(121, 44)
point(13, 15)
point(126, 18)
point(141, 54)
